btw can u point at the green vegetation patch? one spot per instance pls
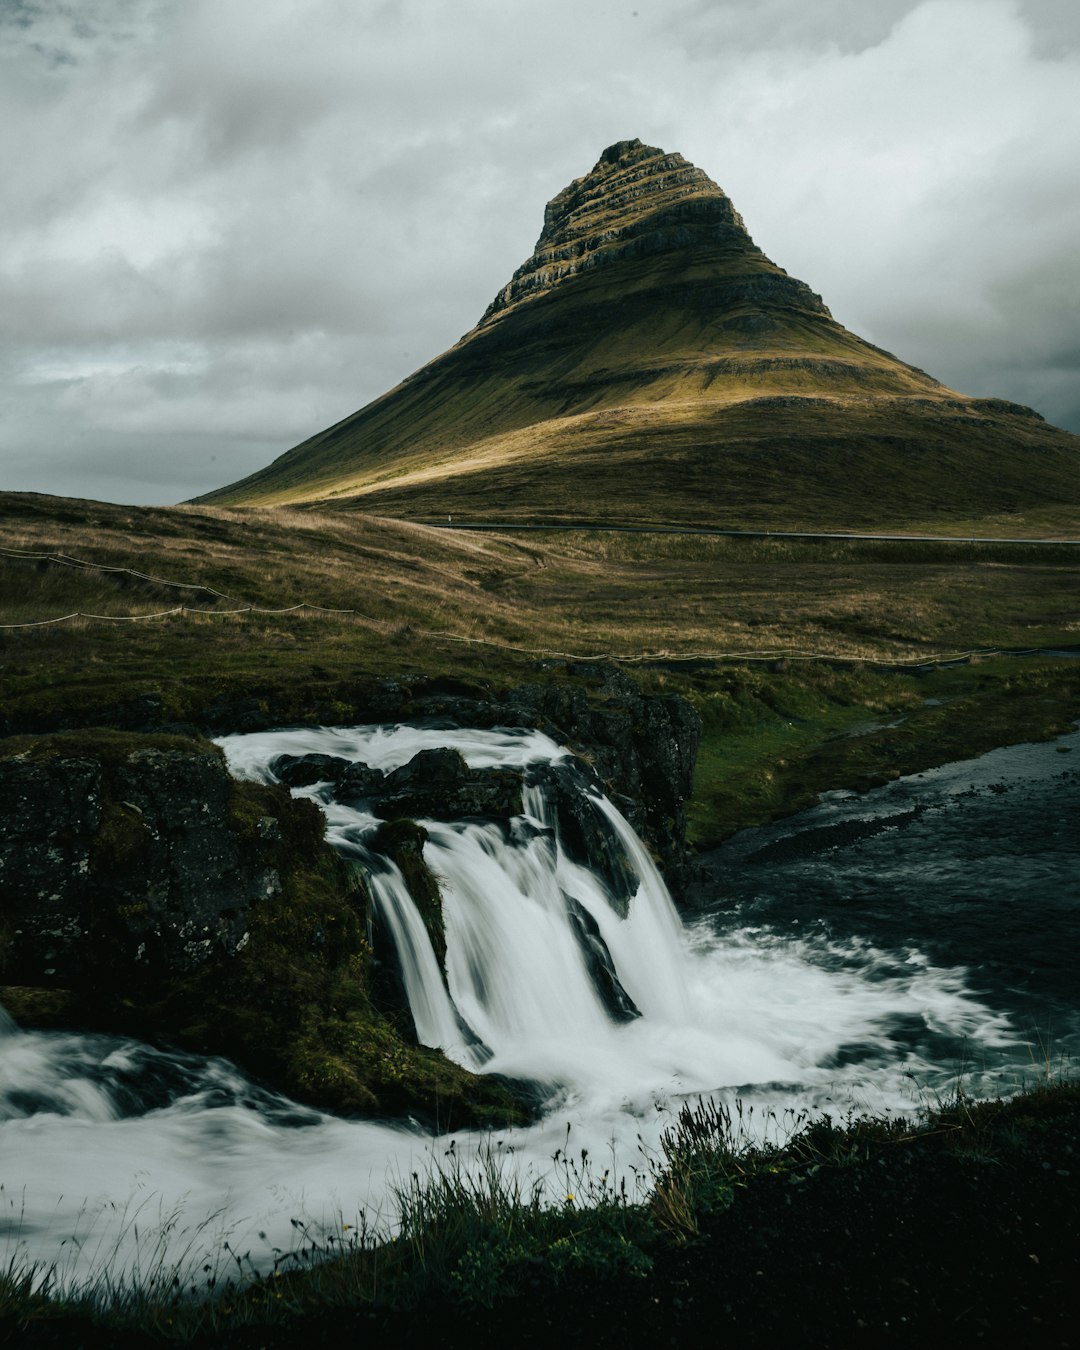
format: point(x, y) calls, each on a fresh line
point(106, 745)
point(774, 739)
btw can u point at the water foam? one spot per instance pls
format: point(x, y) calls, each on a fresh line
point(97, 1132)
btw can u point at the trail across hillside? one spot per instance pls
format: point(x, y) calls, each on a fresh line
point(604, 528)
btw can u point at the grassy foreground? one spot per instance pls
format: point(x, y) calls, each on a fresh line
point(863, 1232)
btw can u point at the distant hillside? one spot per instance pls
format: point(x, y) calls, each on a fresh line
point(649, 364)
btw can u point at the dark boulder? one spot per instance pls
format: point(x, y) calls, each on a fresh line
point(434, 785)
point(304, 770)
point(140, 860)
point(598, 962)
point(441, 767)
point(360, 783)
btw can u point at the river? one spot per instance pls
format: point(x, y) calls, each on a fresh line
point(868, 955)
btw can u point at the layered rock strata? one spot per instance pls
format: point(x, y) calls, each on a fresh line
point(637, 201)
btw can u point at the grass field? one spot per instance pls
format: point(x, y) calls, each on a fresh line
point(782, 644)
point(587, 593)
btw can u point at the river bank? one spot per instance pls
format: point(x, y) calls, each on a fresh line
point(866, 1235)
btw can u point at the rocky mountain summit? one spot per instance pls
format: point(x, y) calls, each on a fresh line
point(649, 364)
point(636, 201)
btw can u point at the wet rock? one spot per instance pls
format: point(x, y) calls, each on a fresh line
point(442, 767)
point(304, 770)
point(553, 708)
point(360, 783)
point(434, 785)
point(599, 964)
point(139, 861)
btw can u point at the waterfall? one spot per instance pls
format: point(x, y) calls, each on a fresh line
point(573, 973)
point(429, 1002)
point(528, 929)
point(539, 950)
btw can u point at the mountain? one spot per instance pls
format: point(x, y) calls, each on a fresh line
point(648, 363)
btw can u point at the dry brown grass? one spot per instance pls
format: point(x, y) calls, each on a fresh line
point(570, 593)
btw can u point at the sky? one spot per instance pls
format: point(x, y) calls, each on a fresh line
point(226, 224)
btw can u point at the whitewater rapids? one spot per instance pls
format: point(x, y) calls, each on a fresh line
point(115, 1155)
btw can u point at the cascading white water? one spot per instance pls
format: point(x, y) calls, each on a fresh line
point(429, 1002)
point(796, 1021)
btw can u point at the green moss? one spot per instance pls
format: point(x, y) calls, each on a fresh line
point(104, 744)
point(121, 837)
point(355, 1062)
point(283, 830)
point(34, 1008)
point(326, 1077)
point(773, 741)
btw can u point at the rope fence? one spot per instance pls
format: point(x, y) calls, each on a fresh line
point(767, 654)
point(627, 658)
point(632, 658)
point(81, 564)
point(180, 609)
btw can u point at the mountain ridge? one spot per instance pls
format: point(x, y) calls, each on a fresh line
point(649, 358)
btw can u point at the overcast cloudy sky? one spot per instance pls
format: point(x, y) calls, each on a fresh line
point(225, 224)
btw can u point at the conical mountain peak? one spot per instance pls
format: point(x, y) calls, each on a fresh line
point(627, 181)
point(636, 200)
point(649, 364)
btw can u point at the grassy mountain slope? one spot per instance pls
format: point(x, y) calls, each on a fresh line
point(649, 364)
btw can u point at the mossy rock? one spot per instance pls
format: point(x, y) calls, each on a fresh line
point(289, 995)
point(402, 841)
point(40, 1008)
point(359, 1060)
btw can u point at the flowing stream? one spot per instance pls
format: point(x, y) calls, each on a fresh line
point(118, 1156)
